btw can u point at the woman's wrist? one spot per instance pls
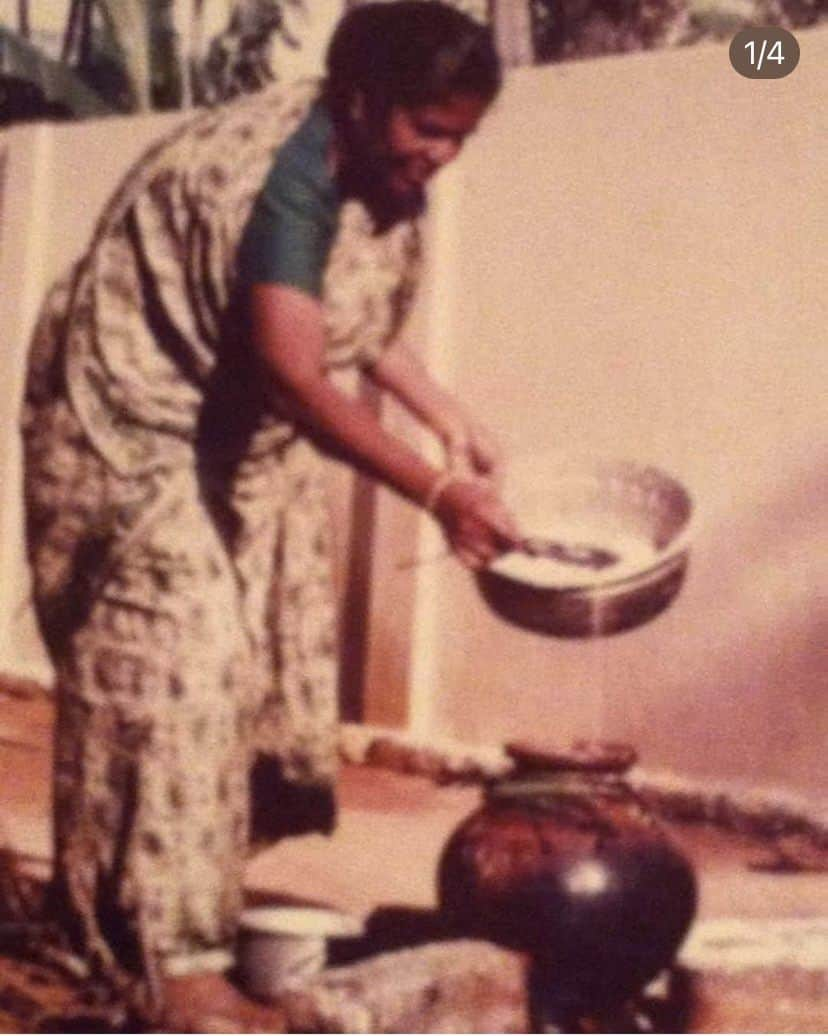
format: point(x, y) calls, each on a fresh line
point(438, 487)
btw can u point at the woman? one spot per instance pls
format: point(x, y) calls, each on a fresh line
point(177, 402)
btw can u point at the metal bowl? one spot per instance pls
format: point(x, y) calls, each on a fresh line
point(608, 500)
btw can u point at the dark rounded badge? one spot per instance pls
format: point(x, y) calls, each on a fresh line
point(770, 53)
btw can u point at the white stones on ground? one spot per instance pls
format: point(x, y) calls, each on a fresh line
point(437, 758)
point(739, 944)
point(454, 986)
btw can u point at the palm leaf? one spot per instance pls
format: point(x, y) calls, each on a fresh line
point(126, 21)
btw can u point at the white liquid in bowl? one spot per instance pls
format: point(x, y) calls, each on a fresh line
point(635, 554)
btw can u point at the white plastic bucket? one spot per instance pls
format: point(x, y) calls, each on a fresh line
point(281, 946)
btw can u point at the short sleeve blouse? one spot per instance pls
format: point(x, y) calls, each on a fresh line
point(289, 234)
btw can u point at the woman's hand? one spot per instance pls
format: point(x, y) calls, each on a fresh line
point(476, 523)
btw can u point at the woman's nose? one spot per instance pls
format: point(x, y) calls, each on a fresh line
point(444, 150)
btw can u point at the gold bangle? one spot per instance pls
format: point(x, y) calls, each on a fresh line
point(438, 487)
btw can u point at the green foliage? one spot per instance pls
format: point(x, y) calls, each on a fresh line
point(128, 54)
point(567, 29)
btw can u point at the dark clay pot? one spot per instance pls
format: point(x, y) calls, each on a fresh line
point(571, 868)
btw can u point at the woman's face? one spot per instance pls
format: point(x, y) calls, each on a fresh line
point(421, 140)
point(388, 166)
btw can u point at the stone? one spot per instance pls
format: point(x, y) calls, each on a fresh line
point(459, 986)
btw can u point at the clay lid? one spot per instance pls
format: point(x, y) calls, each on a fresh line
point(581, 756)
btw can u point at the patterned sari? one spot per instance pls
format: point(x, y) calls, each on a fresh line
point(178, 532)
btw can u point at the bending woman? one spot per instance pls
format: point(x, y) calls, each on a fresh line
point(178, 408)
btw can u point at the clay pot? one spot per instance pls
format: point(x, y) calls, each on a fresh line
point(572, 868)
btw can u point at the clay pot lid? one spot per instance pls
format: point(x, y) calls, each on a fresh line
point(580, 757)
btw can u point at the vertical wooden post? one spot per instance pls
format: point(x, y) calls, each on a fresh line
point(357, 588)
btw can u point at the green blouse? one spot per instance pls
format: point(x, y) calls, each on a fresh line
point(288, 238)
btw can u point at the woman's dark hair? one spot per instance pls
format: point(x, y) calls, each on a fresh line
point(409, 53)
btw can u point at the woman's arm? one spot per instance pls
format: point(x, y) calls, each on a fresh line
point(469, 446)
point(288, 335)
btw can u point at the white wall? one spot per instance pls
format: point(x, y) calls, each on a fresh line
point(636, 263)
point(23, 242)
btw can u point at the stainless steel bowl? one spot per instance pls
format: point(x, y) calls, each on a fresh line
point(620, 496)
point(584, 612)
